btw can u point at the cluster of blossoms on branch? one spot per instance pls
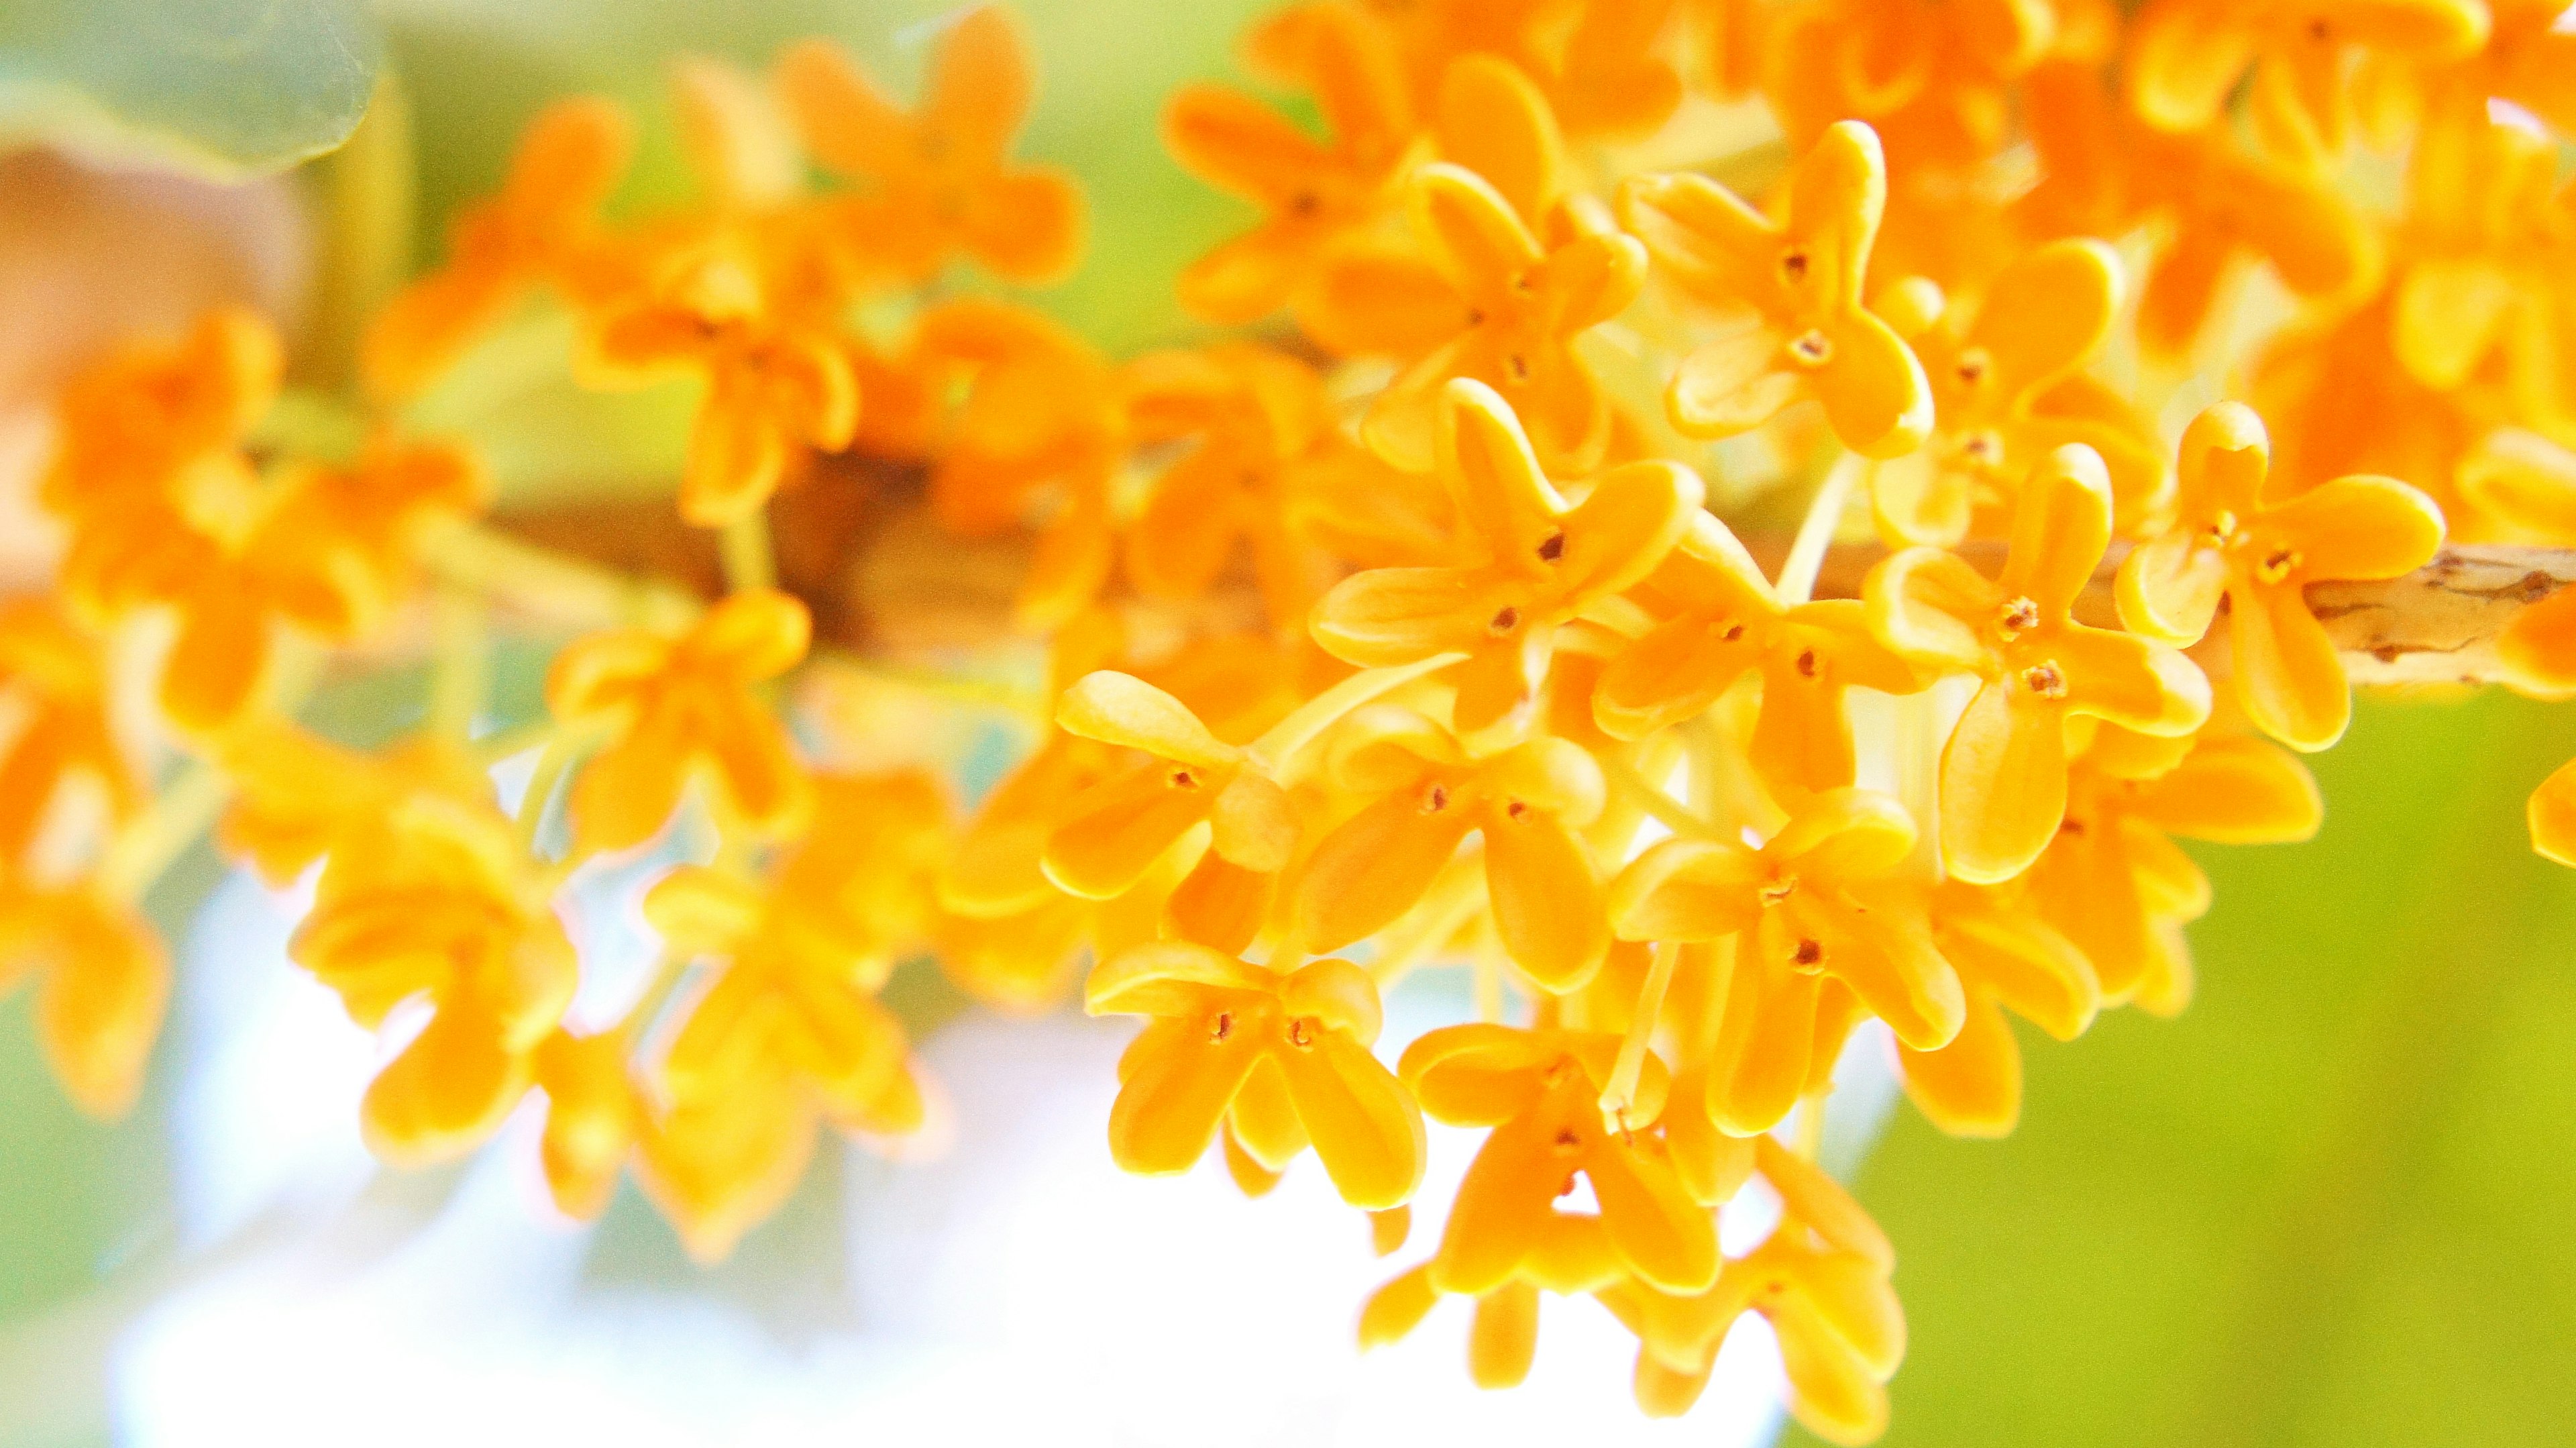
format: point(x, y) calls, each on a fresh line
point(1405, 619)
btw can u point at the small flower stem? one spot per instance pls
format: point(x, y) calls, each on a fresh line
point(1806, 558)
point(504, 569)
point(1667, 811)
point(1489, 986)
point(1621, 1093)
point(1810, 1127)
point(1272, 752)
point(149, 843)
point(1421, 938)
point(461, 675)
point(549, 773)
point(745, 549)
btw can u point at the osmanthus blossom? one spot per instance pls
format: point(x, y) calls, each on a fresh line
point(2187, 56)
point(2003, 772)
point(102, 981)
point(1423, 795)
point(776, 386)
point(1529, 563)
point(542, 228)
point(1397, 627)
point(1538, 1091)
point(1820, 1278)
point(2234, 540)
point(938, 181)
point(2008, 386)
point(1314, 192)
point(1825, 903)
point(63, 742)
point(788, 1033)
point(1487, 300)
point(1719, 620)
point(675, 706)
point(437, 902)
point(1789, 298)
point(1282, 1057)
point(2114, 883)
point(1258, 427)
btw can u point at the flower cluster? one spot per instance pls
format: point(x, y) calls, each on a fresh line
point(1751, 528)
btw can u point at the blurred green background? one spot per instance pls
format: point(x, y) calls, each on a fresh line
point(2330, 1205)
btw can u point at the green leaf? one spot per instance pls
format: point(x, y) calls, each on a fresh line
point(2329, 1205)
point(220, 88)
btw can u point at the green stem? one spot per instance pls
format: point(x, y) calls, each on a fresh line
point(461, 676)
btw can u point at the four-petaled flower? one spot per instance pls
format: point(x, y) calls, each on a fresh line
point(939, 181)
point(1824, 903)
point(2003, 772)
point(1282, 1058)
point(673, 706)
point(1532, 563)
point(1721, 620)
point(1540, 1093)
point(2258, 553)
point(1790, 294)
point(1491, 302)
point(436, 901)
point(1424, 795)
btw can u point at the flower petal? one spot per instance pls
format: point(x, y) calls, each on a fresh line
point(1972, 1086)
point(1366, 1128)
point(2288, 675)
point(2003, 784)
point(1547, 898)
point(2358, 527)
point(1182, 1079)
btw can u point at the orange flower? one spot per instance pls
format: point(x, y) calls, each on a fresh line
point(939, 181)
point(1112, 832)
point(773, 386)
point(539, 228)
point(1283, 1059)
point(594, 1116)
point(104, 984)
point(1034, 441)
point(1424, 795)
point(1532, 563)
point(1571, 1253)
point(1790, 293)
point(2003, 772)
point(297, 797)
point(2226, 208)
point(1540, 1092)
point(1820, 1279)
point(1313, 191)
point(436, 901)
point(1259, 419)
point(2006, 388)
point(325, 551)
point(2005, 958)
point(790, 1029)
point(1490, 302)
point(2113, 882)
point(53, 682)
point(673, 706)
point(1721, 620)
point(2230, 542)
point(2185, 57)
point(2491, 234)
point(130, 428)
point(1824, 899)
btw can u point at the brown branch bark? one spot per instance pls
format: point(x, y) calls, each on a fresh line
point(855, 539)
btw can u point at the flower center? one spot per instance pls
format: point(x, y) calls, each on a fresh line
point(2016, 618)
point(2045, 680)
point(2278, 564)
point(1812, 348)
